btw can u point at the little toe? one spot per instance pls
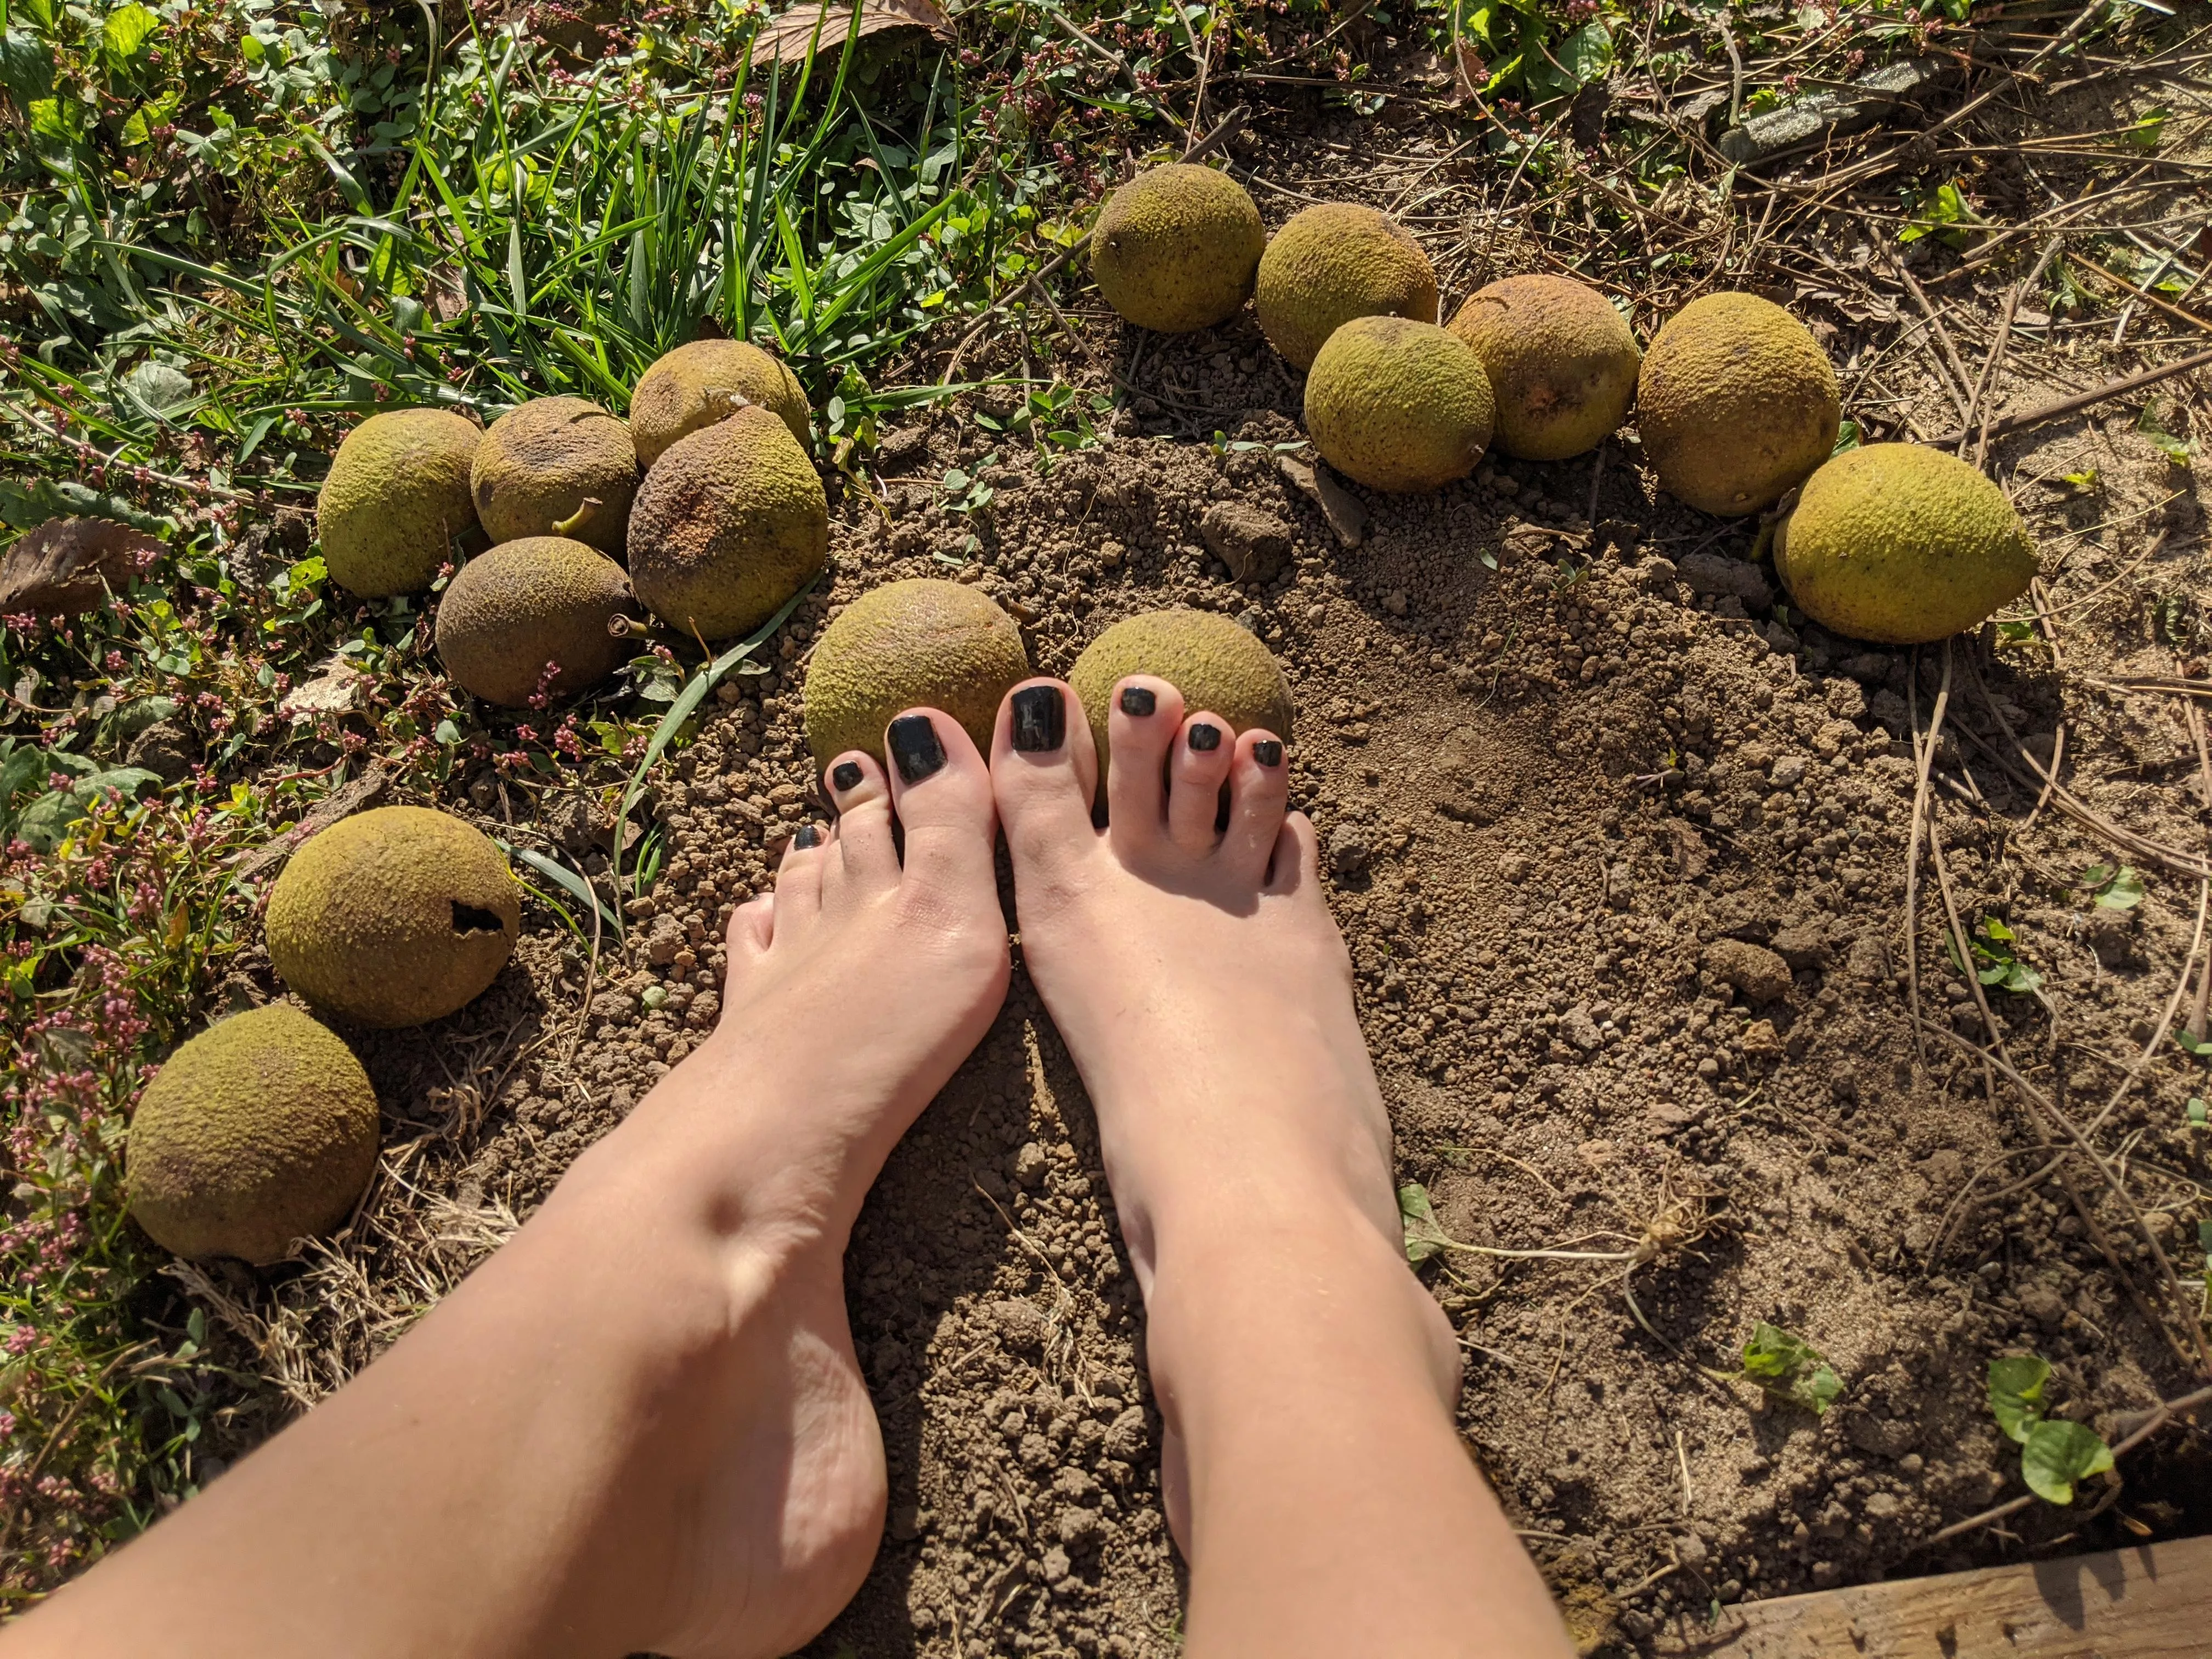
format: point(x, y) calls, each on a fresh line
point(752, 928)
point(1045, 772)
point(1198, 765)
point(1294, 866)
point(866, 855)
point(1144, 722)
point(799, 882)
point(941, 791)
point(1259, 789)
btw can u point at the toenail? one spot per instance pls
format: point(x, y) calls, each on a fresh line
point(1040, 720)
point(1268, 752)
point(1205, 738)
point(847, 776)
point(914, 748)
point(807, 836)
point(1138, 701)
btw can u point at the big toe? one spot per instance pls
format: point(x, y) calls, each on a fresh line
point(1044, 771)
point(941, 791)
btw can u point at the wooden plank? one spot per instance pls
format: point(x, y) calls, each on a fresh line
point(2153, 1601)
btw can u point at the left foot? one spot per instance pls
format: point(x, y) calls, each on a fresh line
point(853, 993)
point(640, 1424)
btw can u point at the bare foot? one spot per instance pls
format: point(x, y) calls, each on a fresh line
point(639, 1425)
point(854, 992)
point(1193, 971)
point(1314, 1473)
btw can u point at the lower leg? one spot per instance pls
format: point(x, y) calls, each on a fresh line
point(1316, 1479)
point(640, 1424)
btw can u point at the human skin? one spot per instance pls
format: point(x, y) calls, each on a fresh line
point(1322, 1495)
point(640, 1424)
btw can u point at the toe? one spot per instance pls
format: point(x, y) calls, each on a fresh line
point(1198, 766)
point(941, 791)
point(1045, 772)
point(1294, 868)
point(867, 856)
point(1258, 787)
point(1144, 720)
point(799, 882)
point(752, 927)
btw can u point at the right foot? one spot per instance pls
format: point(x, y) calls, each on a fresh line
point(1194, 972)
point(1312, 1470)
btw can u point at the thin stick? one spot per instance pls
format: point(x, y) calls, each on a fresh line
point(1960, 379)
point(2006, 424)
point(1926, 759)
point(2019, 291)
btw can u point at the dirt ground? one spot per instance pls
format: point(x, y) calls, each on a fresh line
point(1621, 854)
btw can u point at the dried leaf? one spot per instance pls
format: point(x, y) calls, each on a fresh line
point(794, 34)
point(336, 689)
point(65, 565)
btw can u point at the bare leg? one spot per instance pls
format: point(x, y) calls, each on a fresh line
point(640, 1424)
point(1315, 1477)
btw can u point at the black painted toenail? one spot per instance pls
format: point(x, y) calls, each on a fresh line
point(1205, 738)
point(847, 776)
point(1040, 720)
point(807, 835)
point(914, 748)
point(1138, 701)
point(1268, 752)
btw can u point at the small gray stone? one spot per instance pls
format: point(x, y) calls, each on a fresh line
point(1030, 1164)
point(1348, 854)
point(1579, 1029)
point(663, 940)
point(1252, 541)
point(1126, 1438)
point(1021, 1324)
point(1753, 970)
point(1787, 773)
point(1718, 574)
point(2040, 1303)
point(1805, 946)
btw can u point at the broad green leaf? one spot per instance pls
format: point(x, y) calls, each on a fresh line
point(1425, 1234)
point(1791, 1368)
point(128, 27)
point(1847, 437)
point(2057, 1454)
point(2124, 892)
point(2015, 1387)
